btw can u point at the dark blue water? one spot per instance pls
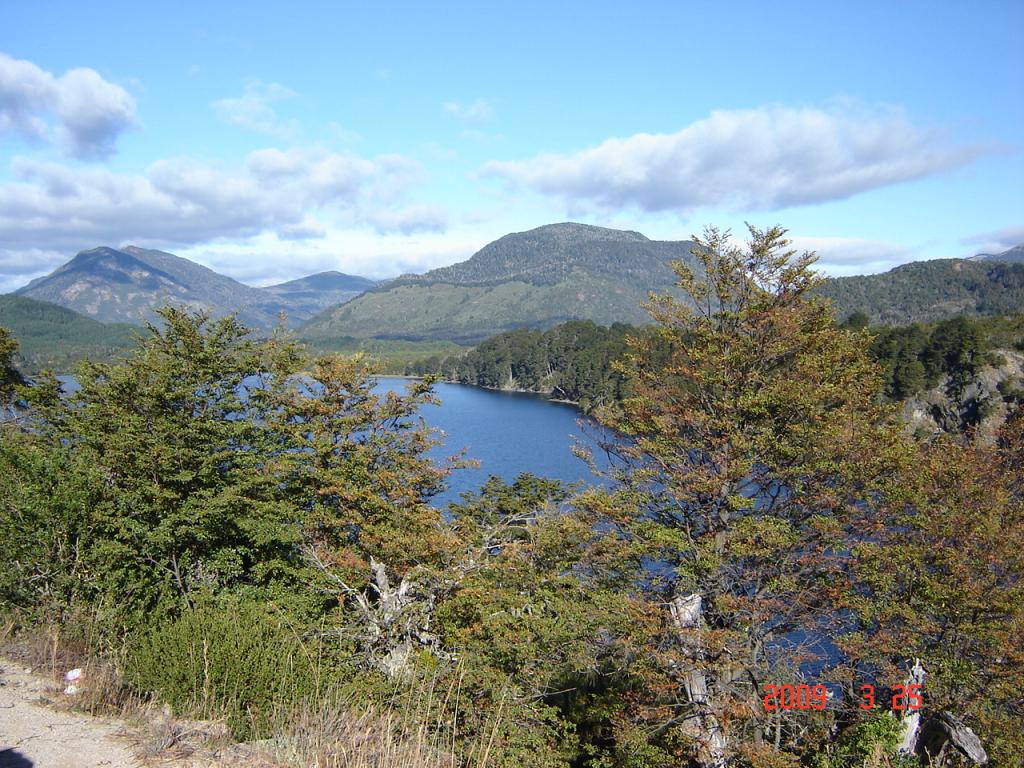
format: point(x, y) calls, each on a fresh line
point(507, 432)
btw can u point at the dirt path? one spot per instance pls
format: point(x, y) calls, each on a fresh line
point(33, 735)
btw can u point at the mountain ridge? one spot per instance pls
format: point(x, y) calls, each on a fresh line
point(128, 284)
point(1013, 255)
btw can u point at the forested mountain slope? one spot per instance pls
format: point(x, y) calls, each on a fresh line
point(927, 291)
point(56, 337)
point(530, 279)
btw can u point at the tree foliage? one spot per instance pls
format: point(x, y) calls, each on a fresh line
point(944, 582)
point(222, 499)
point(752, 448)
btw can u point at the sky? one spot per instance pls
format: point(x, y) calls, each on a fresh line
point(273, 140)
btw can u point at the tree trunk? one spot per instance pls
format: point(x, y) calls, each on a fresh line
point(911, 720)
point(704, 726)
point(944, 731)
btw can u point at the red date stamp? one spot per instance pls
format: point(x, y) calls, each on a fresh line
point(904, 698)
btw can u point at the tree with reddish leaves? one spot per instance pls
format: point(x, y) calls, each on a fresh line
point(750, 448)
point(944, 583)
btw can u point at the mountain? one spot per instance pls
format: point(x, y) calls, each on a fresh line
point(926, 291)
point(127, 285)
point(1014, 255)
point(309, 295)
point(55, 337)
point(537, 279)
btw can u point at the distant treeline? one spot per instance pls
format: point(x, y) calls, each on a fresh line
point(574, 360)
point(919, 356)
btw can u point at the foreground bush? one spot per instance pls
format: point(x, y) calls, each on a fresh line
point(233, 660)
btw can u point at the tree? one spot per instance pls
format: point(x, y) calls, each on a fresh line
point(183, 452)
point(943, 581)
point(362, 480)
point(9, 375)
point(754, 440)
point(856, 321)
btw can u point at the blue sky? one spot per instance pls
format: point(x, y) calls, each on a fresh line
point(271, 140)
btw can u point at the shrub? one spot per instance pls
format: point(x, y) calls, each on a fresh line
point(232, 660)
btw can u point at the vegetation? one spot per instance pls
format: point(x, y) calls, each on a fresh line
point(918, 356)
point(575, 361)
point(572, 361)
point(10, 377)
point(532, 279)
point(54, 337)
point(928, 291)
point(248, 533)
point(393, 356)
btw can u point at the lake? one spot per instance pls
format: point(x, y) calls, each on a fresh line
point(507, 432)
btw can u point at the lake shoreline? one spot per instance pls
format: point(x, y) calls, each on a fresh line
point(514, 390)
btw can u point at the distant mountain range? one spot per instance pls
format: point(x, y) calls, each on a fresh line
point(127, 285)
point(927, 291)
point(531, 279)
point(565, 272)
point(307, 296)
point(536, 279)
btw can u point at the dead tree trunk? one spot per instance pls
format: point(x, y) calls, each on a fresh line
point(704, 726)
point(943, 733)
point(911, 720)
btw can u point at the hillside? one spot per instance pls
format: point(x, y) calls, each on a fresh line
point(309, 295)
point(534, 279)
point(56, 337)
point(562, 272)
point(927, 291)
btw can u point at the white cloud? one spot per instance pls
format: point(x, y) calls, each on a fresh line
point(267, 259)
point(838, 256)
point(299, 194)
point(477, 111)
point(80, 110)
point(755, 159)
point(254, 110)
point(411, 219)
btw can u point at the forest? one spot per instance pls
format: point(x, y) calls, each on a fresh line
point(581, 362)
point(773, 574)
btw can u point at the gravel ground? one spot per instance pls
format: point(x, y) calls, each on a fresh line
point(33, 735)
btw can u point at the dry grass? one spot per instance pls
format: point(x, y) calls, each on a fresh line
point(332, 731)
point(342, 733)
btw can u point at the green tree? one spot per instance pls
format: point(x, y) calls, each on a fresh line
point(10, 378)
point(856, 321)
point(362, 480)
point(754, 441)
point(181, 443)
